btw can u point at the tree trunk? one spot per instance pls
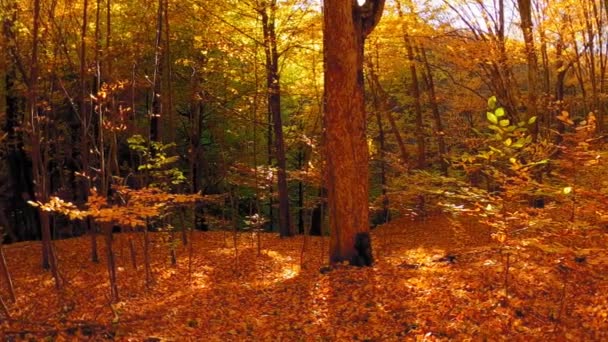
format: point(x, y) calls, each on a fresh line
point(156, 81)
point(390, 105)
point(6, 274)
point(439, 133)
point(346, 25)
point(38, 160)
point(525, 13)
point(274, 107)
point(415, 92)
point(378, 108)
point(23, 219)
point(110, 262)
point(196, 130)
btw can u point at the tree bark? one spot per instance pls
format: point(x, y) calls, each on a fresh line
point(346, 25)
point(273, 83)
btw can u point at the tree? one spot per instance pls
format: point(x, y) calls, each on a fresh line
point(267, 12)
point(347, 24)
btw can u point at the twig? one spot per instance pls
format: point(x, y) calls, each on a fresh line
point(5, 309)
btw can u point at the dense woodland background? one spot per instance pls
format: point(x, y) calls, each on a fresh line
point(160, 117)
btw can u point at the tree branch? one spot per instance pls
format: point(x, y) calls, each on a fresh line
point(370, 13)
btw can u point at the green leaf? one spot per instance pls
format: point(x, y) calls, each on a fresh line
point(519, 143)
point(492, 118)
point(504, 123)
point(495, 128)
point(499, 112)
point(492, 102)
point(531, 120)
point(508, 142)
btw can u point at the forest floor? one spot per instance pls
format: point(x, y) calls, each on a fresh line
point(433, 280)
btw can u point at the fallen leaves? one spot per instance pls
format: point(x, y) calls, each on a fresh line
point(268, 296)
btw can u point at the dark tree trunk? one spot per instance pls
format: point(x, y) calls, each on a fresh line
point(346, 25)
point(301, 229)
point(155, 115)
point(38, 158)
point(23, 223)
point(274, 108)
point(196, 130)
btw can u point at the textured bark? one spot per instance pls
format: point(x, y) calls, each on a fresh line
point(346, 26)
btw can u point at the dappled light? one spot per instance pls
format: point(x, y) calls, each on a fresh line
point(297, 170)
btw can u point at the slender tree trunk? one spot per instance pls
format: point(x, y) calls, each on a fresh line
point(415, 91)
point(6, 274)
point(439, 133)
point(196, 130)
point(525, 13)
point(274, 107)
point(381, 141)
point(38, 166)
point(108, 53)
point(155, 115)
point(346, 25)
point(110, 262)
point(168, 105)
point(301, 227)
point(389, 106)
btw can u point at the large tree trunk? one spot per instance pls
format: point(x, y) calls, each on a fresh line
point(346, 26)
point(274, 108)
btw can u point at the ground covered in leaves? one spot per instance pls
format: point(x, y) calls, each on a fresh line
point(433, 280)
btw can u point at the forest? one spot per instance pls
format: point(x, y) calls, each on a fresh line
point(303, 170)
